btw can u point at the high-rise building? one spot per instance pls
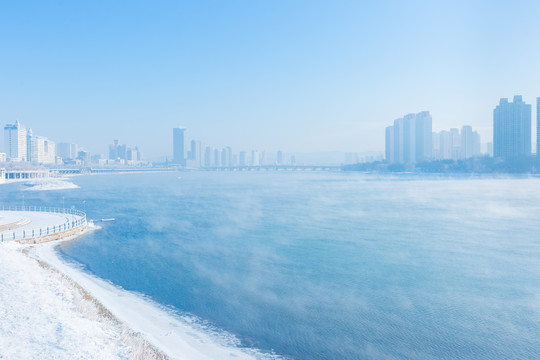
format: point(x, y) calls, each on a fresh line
point(192, 150)
point(279, 159)
point(467, 141)
point(117, 151)
point(538, 129)
point(512, 129)
point(423, 137)
point(436, 142)
point(195, 158)
point(216, 157)
point(40, 150)
point(15, 142)
point(224, 157)
point(67, 150)
point(242, 158)
point(293, 159)
point(398, 140)
point(410, 139)
point(178, 146)
point(477, 144)
point(208, 156)
point(389, 144)
point(133, 154)
point(455, 144)
point(84, 156)
point(255, 158)
point(229, 156)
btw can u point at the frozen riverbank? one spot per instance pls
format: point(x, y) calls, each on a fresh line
point(51, 309)
point(179, 338)
point(49, 184)
point(43, 316)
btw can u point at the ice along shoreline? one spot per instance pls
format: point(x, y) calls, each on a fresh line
point(170, 336)
point(46, 315)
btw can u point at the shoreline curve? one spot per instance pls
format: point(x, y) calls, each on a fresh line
point(167, 336)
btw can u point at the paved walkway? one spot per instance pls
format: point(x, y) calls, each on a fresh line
point(20, 222)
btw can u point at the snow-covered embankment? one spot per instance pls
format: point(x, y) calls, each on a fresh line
point(45, 315)
point(52, 309)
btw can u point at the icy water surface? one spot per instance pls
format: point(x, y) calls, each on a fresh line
point(325, 265)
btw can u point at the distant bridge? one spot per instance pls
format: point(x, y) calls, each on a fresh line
point(24, 174)
point(11, 175)
point(275, 168)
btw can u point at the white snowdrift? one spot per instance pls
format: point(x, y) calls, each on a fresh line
point(49, 184)
point(172, 335)
point(42, 317)
point(53, 310)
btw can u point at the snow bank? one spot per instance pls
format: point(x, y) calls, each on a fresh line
point(178, 338)
point(49, 184)
point(53, 310)
point(43, 317)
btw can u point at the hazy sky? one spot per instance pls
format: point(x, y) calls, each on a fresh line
point(291, 75)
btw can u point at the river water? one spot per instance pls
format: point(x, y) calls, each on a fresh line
point(322, 265)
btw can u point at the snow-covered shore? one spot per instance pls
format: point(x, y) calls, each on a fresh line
point(51, 309)
point(48, 184)
point(43, 316)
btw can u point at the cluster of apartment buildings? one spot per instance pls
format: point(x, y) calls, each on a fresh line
point(410, 139)
point(456, 145)
point(200, 155)
point(512, 129)
point(23, 145)
point(124, 154)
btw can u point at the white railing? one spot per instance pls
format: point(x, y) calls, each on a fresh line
point(76, 219)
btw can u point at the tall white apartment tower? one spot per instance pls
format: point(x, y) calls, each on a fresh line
point(410, 139)
point(423, 137)
point(398, 141)
point(389, 145)
point(467, 142)
point(538, 129)
point(39, 149)
point(15, 142)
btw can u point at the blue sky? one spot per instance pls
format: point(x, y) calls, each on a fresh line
point(292, 75)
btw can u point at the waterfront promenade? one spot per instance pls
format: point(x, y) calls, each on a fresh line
point(34, 224)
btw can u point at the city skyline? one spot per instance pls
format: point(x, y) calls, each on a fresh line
point(409, 140)
point(304, 76)
point(512, 129)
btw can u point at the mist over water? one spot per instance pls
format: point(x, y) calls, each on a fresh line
point(326, 265)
